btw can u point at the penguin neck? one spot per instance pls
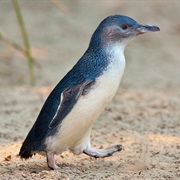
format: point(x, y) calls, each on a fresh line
point(108, 48)
point(106, 54)
point(100, 57)
point(115, 53)
point(114, 48)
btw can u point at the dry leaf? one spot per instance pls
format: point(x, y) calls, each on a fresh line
point(8, 158)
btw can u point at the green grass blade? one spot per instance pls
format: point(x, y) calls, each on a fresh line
point(26, 41)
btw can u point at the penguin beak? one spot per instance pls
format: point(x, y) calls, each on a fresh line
point(144, 28)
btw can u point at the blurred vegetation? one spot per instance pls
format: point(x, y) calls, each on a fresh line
point(60, 5)
point(26, 50)
point(26, 41)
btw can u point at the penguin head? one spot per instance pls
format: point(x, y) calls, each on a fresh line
point(121, 29)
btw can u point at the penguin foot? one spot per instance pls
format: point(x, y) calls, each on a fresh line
point(99, 153)
point(51, 161)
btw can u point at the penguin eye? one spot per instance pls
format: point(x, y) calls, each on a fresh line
point(125, 26)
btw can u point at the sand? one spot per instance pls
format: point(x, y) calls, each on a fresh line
point(144, 116)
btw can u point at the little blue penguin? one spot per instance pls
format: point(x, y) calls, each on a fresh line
point(67, 116)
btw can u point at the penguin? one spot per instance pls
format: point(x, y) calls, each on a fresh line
point(67, 116)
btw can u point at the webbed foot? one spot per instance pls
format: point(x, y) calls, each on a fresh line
point(99, 153)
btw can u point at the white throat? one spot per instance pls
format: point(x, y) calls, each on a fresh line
point(116, 58)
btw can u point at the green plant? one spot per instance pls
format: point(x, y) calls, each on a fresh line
point(26, 41)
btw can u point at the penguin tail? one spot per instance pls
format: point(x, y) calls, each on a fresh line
point(25, 153)
point(33, 143)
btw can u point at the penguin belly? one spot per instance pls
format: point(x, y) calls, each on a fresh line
point(74, 131)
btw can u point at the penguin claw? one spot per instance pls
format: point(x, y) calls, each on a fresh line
point(118, 147)
point(55, 167)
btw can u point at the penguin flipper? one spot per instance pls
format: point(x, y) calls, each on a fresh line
point(69, 97)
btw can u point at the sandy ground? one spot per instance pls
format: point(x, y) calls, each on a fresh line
point(144, 116)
